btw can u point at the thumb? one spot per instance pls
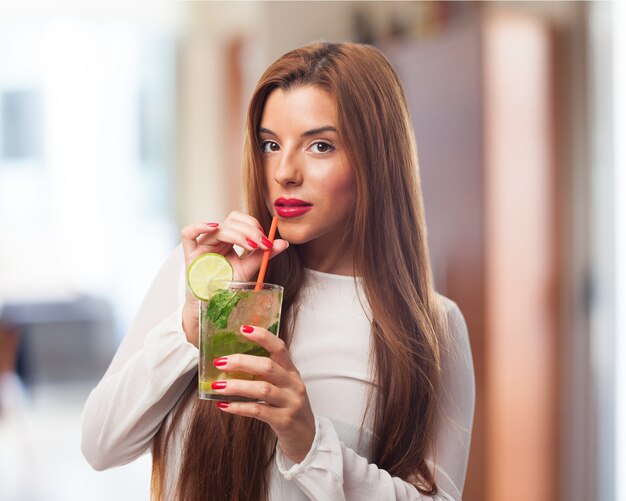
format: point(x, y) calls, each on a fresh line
point(252, 262)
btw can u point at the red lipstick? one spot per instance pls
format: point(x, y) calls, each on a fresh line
point(291, 207)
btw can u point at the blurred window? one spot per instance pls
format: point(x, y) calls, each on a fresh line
point(21, 124)
point(87, 153)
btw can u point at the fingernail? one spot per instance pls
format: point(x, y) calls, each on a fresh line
point(219, 362)
point(222, 405)
point(218, 385)
point(247, 329)
point(252, 243)
point(266, 242)
point(212, 225)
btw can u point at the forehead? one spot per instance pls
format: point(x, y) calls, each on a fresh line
point(303, 105)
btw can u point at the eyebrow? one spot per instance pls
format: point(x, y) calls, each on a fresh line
point(312, 132)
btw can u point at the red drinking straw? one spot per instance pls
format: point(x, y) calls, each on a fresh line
point(266, 255)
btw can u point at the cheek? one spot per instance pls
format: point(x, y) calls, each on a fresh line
point(269, 187)
point(341, 187)
point(335, 178)
point(267, 173)
point(270, 184)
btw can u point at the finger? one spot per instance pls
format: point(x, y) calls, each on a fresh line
point(262, 412)
point(251, 263)
point(246, 235)
point(263, 367)
point(230, 235)
point(246, 219)
point(189, 234)
point(253, 223)
point(222, 242)
point(257, 390)
point(272, 343)
point(246, 267)
point(280, 419)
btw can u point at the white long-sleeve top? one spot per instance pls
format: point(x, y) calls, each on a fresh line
point(331, 348)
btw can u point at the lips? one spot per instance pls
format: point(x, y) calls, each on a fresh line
point(291, 207)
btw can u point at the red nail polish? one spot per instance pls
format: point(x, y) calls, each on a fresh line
point(222, 405)
point(212, 225)
point(247, 329)
point(252, 243)
point(218, 385)
point(219, 362)
point(266, 242)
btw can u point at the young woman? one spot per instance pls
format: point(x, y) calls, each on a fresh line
point(369, 390)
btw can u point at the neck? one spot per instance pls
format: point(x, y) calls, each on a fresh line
point(317, 256)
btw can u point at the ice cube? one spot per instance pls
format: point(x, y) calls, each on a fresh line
point(255, 308)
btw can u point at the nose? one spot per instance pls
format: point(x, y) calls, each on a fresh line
point(288, 170)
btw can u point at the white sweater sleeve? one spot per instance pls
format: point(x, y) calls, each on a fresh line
point(333, 471)
point(150, 371)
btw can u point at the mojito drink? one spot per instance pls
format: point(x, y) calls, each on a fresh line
point(221, 319)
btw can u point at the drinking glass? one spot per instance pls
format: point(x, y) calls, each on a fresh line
point(221, 318)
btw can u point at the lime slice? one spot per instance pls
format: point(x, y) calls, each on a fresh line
point(207, 273)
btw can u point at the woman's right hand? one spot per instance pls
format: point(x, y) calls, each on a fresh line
point(238, 228)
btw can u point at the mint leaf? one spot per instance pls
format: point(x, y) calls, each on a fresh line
point(220, 306)
point(228, 342)
point(273, 328)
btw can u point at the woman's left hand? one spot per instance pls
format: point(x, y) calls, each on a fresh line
point(286, 408)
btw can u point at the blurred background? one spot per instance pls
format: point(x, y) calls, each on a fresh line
point(121, 122)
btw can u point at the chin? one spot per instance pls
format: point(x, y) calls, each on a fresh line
point(295, 236)
point(294, 240)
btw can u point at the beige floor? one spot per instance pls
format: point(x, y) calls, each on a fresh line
point(40, 457)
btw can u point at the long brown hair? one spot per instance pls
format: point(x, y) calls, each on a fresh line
point(226, 457)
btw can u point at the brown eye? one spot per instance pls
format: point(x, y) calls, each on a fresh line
point(269, 146)
point(322, 147)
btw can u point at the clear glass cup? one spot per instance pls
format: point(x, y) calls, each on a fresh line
point(221, 318)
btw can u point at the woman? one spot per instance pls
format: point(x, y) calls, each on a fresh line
point(369, 389)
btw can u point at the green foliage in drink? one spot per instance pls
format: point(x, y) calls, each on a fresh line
point(220, 306)
point(227, 342)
